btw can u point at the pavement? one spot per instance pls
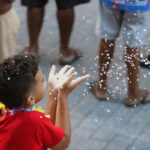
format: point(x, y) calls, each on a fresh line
point(96, 125)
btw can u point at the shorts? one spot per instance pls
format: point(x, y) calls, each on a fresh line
point(134, 25)
point(9, 28)
point(61, 4)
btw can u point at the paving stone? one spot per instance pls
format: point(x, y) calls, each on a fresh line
point(105, 133)
point(79, 138)
point(94, 145)
point(98, 117)
point(84, 107)
point(136, 125)
point(142, 143)
point(115, 123)
point(74, 122)
point(119, 143)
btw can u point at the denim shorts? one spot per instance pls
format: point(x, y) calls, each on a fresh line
point(134, 25)
point(61, 4)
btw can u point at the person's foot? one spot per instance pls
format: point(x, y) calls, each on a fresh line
point(142, 96)
point(145, 62)
point(30, 50)
point(69, 56)
point(100, 93)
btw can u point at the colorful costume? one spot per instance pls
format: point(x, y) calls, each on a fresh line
point(130, 18)
point(129, 5)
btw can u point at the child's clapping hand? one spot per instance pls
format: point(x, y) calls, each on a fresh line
point(65, 80)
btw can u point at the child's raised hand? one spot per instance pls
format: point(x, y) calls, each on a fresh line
point(75, 82)
point(65, 80)
point(57, 80)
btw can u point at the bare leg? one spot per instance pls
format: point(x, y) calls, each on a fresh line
point(35, 20)
point(65, 21)
point(106, 50)
point(132, 59)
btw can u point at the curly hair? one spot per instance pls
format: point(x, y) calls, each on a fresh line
point(17, 77)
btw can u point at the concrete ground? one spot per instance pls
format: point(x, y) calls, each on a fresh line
point(96, 125)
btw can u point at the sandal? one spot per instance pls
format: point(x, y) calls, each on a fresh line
point(92, 90)
point(69, 60)
point(25, 50)
point(134, 103)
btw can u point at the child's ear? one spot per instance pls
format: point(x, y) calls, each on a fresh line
point(30, 101)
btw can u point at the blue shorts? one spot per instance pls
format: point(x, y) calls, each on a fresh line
point(132, 24)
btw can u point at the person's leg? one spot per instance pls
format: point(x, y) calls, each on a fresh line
point(135, 95)
point(132, 55)
point(110, 28)
point(105, 53)
point(35, 14)
point(35, 20)
point(65, 23)
point(65, 17)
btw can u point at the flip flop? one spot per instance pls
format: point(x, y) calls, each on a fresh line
point(135, 103)
point(91, 89)
point(24, 50)
point(69, 60)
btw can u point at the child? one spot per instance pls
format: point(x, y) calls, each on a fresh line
point(22, 86)
point(9, 27)
point(129, 15)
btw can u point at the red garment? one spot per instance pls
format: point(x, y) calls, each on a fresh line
point(28, 130)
